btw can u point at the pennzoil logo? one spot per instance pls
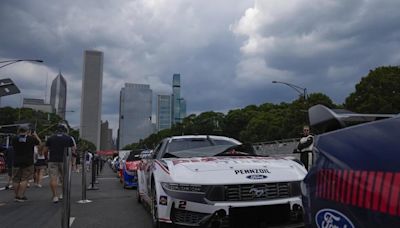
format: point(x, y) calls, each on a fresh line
point(251, 171)
point(327, 218)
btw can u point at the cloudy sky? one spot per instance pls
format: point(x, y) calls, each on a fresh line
point(228, 52)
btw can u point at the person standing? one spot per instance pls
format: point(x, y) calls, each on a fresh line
point(305, 146)
point(8, 154)
point(55, 146)
point(40, 164)
point(88, 160)
point(22, 171)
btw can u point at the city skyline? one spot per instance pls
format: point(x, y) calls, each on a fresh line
point(323, 46)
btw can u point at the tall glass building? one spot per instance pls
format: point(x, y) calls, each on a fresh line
point(178, 103)
point(134, 113)
point(164, 113)
point(58, 95)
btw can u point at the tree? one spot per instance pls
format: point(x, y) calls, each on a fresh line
point(378, 92)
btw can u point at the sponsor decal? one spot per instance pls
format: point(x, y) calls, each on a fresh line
point(163, 200)
point(256, 177)
point(251, 171)
point(329, 218)
point(257, 192)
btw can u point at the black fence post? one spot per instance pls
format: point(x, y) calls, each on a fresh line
point(66, 189)
point(92, 187)
point(84, 199)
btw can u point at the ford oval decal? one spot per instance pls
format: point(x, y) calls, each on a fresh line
point(256, 177)
point(332, 218)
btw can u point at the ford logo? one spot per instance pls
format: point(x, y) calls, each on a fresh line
point(329, 218)
point(256, 177)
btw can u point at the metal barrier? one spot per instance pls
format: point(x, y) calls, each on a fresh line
point(94, 170)
point(84, 199)
point(66, 207)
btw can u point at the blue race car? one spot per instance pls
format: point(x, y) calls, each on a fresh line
point(129, 170)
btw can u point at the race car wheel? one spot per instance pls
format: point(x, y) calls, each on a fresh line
point(154, 210)
point(154, 206)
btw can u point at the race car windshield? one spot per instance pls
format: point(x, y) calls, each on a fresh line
point(210, 151)
point(190, 143)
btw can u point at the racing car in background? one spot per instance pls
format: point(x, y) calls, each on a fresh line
point(216, 181)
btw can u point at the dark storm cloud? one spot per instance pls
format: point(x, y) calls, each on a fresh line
point(227, 54)
point(326, 46)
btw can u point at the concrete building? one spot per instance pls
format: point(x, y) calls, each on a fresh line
point(106, 142)
point(37, 104)
point(58, 95)
point(164, 112)
point(92, 82)
point(134, 113)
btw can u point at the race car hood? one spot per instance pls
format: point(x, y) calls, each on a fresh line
point(223, 170)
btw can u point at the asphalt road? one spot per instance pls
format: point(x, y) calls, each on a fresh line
point(111, 206)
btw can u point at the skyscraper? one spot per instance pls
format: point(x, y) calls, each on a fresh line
point(58, 95)
point(106, 142)
point(134, 113)
point(163, 112)
point(92, 82)
point(178, 103)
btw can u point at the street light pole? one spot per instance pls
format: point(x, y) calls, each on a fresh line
point(9, 62)
point(302, 91)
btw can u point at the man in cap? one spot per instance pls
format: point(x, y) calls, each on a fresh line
point(22, 170)
point(55, 146)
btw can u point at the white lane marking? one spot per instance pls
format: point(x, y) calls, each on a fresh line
point(71, 220)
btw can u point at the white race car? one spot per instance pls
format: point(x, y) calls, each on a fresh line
point(215, 181)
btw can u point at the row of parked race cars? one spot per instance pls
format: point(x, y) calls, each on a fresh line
point(126, 163)
point(216, 181)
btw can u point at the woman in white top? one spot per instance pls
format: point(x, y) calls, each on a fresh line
point(40, 164)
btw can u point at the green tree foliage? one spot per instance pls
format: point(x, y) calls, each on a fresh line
point(378, 92)
point(44, 123)
point(250, 124)
point(84, 145)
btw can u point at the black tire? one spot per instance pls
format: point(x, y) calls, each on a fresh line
point(154, 206)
